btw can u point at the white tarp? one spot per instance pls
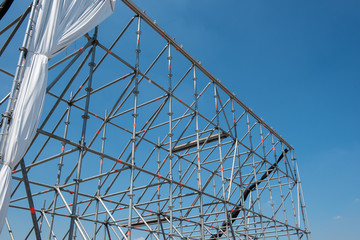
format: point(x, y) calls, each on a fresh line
point(58, 23)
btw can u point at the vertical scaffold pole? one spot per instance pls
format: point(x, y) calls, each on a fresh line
point(16, 82)
point(82, 141)
point(221, 160)
point(100, 178)
point(170, 134)
point(60, 165)
point(133, 138)
point(201, 211)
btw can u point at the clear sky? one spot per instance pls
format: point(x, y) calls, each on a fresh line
point(297, 65)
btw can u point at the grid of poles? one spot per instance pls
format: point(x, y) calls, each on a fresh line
point(163, 150)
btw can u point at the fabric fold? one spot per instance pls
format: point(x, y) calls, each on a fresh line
point(58, 23)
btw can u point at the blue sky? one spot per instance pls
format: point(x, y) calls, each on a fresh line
point(297, 65)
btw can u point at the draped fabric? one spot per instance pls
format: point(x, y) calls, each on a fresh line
point(58, 23)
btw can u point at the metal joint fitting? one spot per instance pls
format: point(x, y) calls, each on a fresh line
point(77, 180)
point(24, 49)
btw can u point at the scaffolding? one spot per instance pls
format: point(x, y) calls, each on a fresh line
point(150, 145)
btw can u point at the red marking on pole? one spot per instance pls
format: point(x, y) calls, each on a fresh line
point(234, 120)
point(110, 200)
point(62, 149)
point(72, 192)
point(46, 191)
point(156, 99)
point(166, 143)
point(159, 176)
point(81, 86)
point(164, 160)
point(110, 52)
point(262, 139)
point(248, 129)
point(177, 49)
point(121, 208)
point(162, 35)
point(134, 125)
point(277, 225)
point(119, 161)
point(81, 49)
point(199, 95)
point(210, 77)
point(101, 161)
point(128, 233)
point(70, 204)
point(98, 132)
point(169, 65)
point(192, 205)
point(144, 130)
point(232, 210)
point(130, 7)
point(96, 115)
point(23, 61)
point(188, 153)
point(209, 180)
point(138, 40)
point(167, 211)
point(180, 100)
point(158, 187)
point(294, 209)
point(198, 158)
point(14, 171)
point(248, 216)
point(32, 210)
point(116, 170)
point(222, 169)
point(88, 204)
point(66, 215)
point(219, 100)
point(181, 184)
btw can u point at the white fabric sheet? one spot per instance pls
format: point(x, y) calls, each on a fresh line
point(58, 24)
